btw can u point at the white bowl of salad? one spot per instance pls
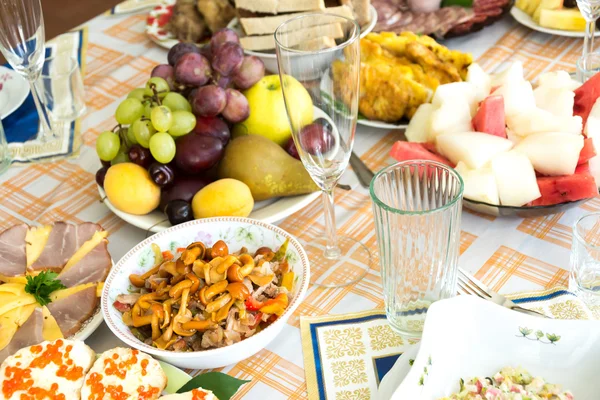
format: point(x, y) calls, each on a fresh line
point(475, 350)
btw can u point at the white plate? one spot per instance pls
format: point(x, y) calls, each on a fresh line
point(396, 375)
point(14, 89)
point(269, 211)
point(466, 337)
point(380, 124)
point(524, 19)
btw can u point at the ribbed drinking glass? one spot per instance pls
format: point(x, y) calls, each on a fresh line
point(417, 207)
point(584, 279)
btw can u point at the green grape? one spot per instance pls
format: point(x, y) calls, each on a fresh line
point(176, 102)
point(162, 118)
point(160, 85)
point(147, 109)
point(137, 94)
point(130, 136)
point(183, 123)
point(162, 147)
point(142, 131)
point(122, 156)
point(128, 111)
point(107, 145)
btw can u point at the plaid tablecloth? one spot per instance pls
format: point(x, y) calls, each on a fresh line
point(509, 254)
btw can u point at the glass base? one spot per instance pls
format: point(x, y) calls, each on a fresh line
point(352, 264)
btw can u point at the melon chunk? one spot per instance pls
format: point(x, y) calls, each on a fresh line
point(514, 72)
point(451, 117)
point(473, 148)
point(419, 127)
point(560, 189)
point(556, 101)
point(515, 178)
point(481, 81)
point(518, 97)
point(552, 153)
point(451, 92)
point(558, 80)
point(479, 184)
point(405, 151)
point(537, 120)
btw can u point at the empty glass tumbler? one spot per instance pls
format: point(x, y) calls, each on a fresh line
point(417, 208)
point(584, 279)
point(61, 87)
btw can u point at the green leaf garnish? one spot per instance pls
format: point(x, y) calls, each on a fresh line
point(222, 385)
point(42, 285)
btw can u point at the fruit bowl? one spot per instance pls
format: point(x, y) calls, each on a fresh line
point(523, 212)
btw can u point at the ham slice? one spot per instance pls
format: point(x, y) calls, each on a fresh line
point(72, 311)
point(29, 333)
point(12, 251)
point(92, 268)
point(63, 242)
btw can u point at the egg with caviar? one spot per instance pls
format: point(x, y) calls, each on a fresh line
point(196, 394)
point(48, 369)
point(124, 373)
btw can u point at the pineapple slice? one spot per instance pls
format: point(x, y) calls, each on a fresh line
point(567, 19)
point(546, 5)
point(528, 6)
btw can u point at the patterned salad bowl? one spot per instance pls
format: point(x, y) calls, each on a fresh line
point(466, 337)
point(236, 232)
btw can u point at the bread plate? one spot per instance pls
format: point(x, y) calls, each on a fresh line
point(524, 19)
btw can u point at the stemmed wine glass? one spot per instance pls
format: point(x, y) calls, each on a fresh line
point(22, 43)
point(319, 56)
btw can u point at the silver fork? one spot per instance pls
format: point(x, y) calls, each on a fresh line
point(467, 284)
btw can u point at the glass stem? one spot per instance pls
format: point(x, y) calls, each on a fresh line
point(332, 251)
point(46, 132)
point(588, 43)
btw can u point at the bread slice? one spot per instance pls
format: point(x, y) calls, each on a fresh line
point(267, 42)
point(320, 43)
point(362, 11)
point(129, 370)
point(191, 395)
point(266, 25)
point(279, 6)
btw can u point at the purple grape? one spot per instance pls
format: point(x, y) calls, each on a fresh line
point(224, 82)
point(212, 126)
point(237, 108)
point(100, 175)
point(227, 58)
point(251, 70)
point(197, 153)
point(105, 163)
point(140, 156)
point(205, 51)
point(291, 149)
point(317, 138)
point(179, 50)
point(225, 35)
point(165, 71)
point(163, 175)
point(184, 188)
point(179, 211)
point(192, 69)
point(209, 101)
point(190, 95)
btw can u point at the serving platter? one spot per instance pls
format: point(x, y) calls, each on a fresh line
point(524, 19)
point(13, 91)
point(382, 125)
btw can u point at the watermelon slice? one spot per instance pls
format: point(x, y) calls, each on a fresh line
point(583, 168)
point(587, 152)
point(560, 189)
point(404, 151)
point(490, 117)
point(585, 97)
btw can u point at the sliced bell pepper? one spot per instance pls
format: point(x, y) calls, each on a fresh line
point(275, 306)
point(252, 304)
point(287, 281)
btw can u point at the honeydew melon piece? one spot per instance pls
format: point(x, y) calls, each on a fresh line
point(481, 81)
point(518, 97)
point(558, 80)
point(450, 118)
point(515, 178)
point(558, 101)
point(512, 73)
point(472, 148)
point(419, 127)
point(451, 92)
point(537, 120)
point(479, 184)
point(552, 153)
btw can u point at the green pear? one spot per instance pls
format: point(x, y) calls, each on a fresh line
point(267, 169)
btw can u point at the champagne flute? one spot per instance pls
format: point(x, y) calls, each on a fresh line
point(22, 43)
point(319, 56)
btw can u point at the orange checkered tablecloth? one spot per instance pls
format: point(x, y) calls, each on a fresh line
point(509, 254)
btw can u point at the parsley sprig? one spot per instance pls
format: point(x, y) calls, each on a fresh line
point(42, 285)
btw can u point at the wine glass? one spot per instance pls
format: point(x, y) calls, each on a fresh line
point(22, 43)
point(319, 60)
point(590, 9)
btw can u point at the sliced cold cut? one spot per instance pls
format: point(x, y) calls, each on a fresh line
point(92, 268)
point(72, 311)
point(12, 251)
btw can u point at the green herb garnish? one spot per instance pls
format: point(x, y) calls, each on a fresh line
point(42, 285)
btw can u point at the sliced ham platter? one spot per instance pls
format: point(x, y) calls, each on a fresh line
point(78, 257)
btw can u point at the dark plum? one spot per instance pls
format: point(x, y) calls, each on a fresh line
point(250, 71)
point(105, 163)
point(227, 58)
point(237, 108)
point(179, 211)
point(197, 153)
point(184, 188)
point(317, 138)
point(209, 101)
point(100, 175)
point(192, 69)
point(140, 155)
point(179, 50)
point(213, 126)
point(161, 174)
point(291, 149)
point(223, 36)
point(166, 72)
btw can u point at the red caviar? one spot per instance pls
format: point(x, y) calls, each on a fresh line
point(198, 394)
point(120, 369)
point(147, 394)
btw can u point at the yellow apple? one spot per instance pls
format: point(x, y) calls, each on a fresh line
point(130, 189)
point(268, 116)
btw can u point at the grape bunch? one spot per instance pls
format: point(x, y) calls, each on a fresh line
point(178, 125)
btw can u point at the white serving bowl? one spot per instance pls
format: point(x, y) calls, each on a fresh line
point(270, 59)
point(466, 337)
point(237, 232)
